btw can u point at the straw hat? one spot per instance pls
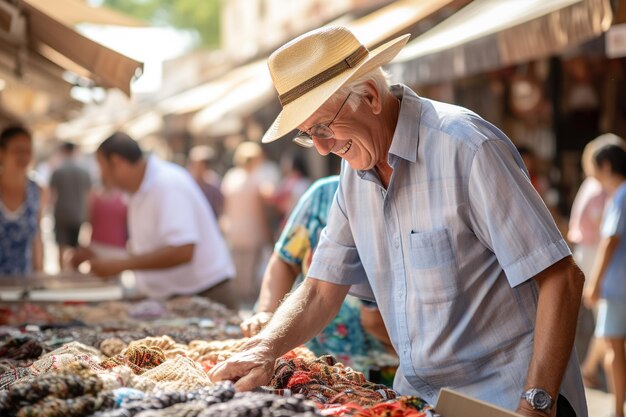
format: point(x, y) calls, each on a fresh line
point(308, 70)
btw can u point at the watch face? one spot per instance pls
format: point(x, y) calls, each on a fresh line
point(541, 400)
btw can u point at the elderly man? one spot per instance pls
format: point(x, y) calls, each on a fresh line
point(434, 211)
point(175, 244)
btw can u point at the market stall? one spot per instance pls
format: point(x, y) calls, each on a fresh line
point(118, 357)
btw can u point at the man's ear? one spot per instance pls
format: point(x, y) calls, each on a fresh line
point(372, 97)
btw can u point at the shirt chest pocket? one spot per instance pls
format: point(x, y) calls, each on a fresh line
point(433, 276)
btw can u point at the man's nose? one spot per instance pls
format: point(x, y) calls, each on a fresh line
point(323, 146)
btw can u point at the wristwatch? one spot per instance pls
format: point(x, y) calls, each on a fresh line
point(538, 399)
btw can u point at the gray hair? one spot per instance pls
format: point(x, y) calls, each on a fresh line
point(378, 76)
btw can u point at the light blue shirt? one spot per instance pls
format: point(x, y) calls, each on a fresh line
point(614, 224)
point(448, 250)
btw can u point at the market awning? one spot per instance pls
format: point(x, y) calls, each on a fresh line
point(241, 99)
point(490, 34)
point(393, 20)
point(28, 29)
point(246, 89)
point(208, 93)
point(72, 12)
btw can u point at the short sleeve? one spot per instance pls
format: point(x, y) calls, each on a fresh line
point(336, 259)
point(177, 214)
point(509, 217)
point(614, 221)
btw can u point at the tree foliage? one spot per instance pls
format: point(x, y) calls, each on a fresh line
point(202, 16)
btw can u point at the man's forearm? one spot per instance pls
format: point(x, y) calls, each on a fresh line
point(560, 289)
point(277, 282)
point(167, 257)
point(310, 308)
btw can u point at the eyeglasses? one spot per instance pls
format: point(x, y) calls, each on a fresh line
point(320, 130)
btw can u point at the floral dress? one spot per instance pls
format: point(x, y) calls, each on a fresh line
point(17, 231)
point(344, 337)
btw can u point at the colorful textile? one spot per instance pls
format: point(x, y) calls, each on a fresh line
point(81, 406)
point(10, 377)
point(71, 383)
point(200, 398)
point(139, 358)
point(65, 356)
point(400, 407)
point(246, 404)
point(113, 346)
point(180, 373)
point(18, 230)
point(344, 337)
point(18, 352)
point(325, 381)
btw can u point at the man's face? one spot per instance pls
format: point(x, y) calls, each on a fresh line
point(354, 132)
point(108, 172)
point(18, 153)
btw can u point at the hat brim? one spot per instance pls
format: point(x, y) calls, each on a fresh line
point(296, 112)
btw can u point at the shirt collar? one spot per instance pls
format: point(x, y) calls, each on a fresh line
point(406, 136)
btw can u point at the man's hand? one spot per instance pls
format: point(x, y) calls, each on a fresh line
point(525, 409)
point(107, 268)
point(252, 326)
point(251, 368)
point(79, 255)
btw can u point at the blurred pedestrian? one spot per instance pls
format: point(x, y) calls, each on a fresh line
point(607, 286)
point(70, 185)
point(295, 181)
point(175, 245)
point(584, 233)
point(108, 212)
point(357, 333)
point(244, 221)
point(199, 165)
point(21, 250)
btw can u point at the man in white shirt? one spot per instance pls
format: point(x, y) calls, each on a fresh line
point(175, 244)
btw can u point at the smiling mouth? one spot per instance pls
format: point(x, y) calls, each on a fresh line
point(345, 149)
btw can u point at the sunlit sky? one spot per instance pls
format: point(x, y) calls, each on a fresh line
point(150, 45)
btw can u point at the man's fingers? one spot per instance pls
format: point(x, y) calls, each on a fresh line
point(232, 368)
point(255, 378)
point(223, 371)
point(246, 328)
point(255, 328)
